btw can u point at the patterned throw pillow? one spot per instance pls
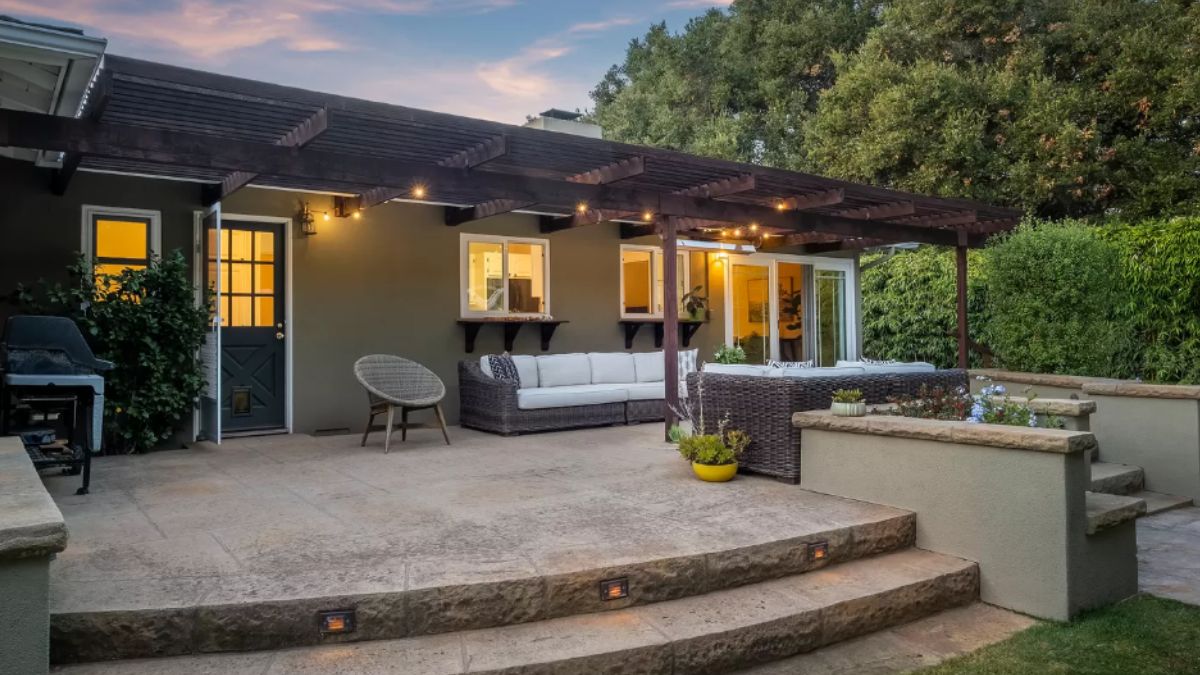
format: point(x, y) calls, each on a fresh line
point(687, 362)
point(504, 368)
point(790, 364)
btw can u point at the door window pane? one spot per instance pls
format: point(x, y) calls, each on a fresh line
point(791, 311)
point(239, 312)
point(636, 266)
point(264, 278)
point(485, 276)
point(241, 245)
point(264, 246)
point(830, 316)
point(264, 310)
point(752, 310)
point(240, 278)
point(526, 278)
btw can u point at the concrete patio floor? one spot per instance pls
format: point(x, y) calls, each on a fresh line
point(1169, 555)
point(284, 517)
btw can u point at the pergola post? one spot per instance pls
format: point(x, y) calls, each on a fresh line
point(667, 228)
point(961, 291)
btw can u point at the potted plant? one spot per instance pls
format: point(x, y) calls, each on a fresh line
point(730, 354)
point(714, 456)
point(694, 304)
point(849, 403)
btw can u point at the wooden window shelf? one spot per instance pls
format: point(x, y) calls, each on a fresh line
point(687, 328)
point(511, 328)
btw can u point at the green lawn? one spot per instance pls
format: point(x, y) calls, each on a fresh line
point(1144, 635)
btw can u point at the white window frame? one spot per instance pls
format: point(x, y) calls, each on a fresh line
point(850, 315)
point(464, 276)
point(657, 269)
point(91, 212)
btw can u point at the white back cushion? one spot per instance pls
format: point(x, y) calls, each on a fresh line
point(820, 372)
point(899, 367)
point(612, 368)
point(527, 370)
point(485, 366)
point(740, 369)
point(649, 367)
point(561, 370)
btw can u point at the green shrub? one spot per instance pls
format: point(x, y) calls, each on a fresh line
point(147, 323)
point(1161, 270)
point(1055, 300)
point(909, 306)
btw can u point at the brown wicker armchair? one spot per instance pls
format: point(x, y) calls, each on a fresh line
point(763, 406)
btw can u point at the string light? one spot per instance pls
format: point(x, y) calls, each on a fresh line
point(780, 206)
point(737, 232)
point(581, 208)
point(325, 215)
point(418, 191)
point(357, 214)
point(647, 216)
point(754, 227)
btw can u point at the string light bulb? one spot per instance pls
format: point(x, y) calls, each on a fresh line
point(325, 215)
point(419, 191)
point(780, 206)
point(754, 227)
point(737, 232)
point(581, 208)
point(356, 214)
point(647, 216)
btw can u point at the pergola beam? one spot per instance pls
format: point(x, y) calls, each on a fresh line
point(944, 220)
point(60, 178)
point(880, 211)
point(605, 175)
point(476, 155)
point(307, 131)
point(814, 200)
point(611, 173)
point(454, 216)
point(161, 146)
point(722, 187)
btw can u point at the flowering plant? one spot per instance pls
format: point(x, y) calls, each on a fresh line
point(992, 405)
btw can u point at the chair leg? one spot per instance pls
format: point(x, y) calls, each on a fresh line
point(370, 421)
point(442, 420)
point(403, 424)
point(387, 438)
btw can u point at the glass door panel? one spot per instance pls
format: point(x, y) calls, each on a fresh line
point(791, 311)
point(830, 316)
point(751, 308)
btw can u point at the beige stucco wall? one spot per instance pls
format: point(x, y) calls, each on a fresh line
point(25, 621)
point(1019, 514)
point(1161, 435)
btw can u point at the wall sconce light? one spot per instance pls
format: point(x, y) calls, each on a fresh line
point(818, 550)
point(336, 622)
point(614, 589)
point(308, 224)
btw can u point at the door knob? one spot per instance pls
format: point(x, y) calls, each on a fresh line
point(279, 335)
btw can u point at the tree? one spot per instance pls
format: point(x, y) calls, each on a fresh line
point(736, 85)
point(1062, 107)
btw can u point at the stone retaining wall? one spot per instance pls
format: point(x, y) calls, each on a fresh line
point(1043, 385)
point(31, 532)
point(1010, 498)
point(1154, 426)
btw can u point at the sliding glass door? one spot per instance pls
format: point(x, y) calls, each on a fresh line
point(791, 308)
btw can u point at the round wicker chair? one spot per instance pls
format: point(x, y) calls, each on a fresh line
point(394, 382)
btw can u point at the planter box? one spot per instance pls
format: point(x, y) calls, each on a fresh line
point(1010, 498)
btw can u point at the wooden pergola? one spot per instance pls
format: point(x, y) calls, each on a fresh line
point(225, 133)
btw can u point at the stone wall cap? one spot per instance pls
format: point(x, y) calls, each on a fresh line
point(1059, 407)
point(1044, 379)
point(1105, 510)
point(944, 431)
point(30, 523)
point(1143, 390)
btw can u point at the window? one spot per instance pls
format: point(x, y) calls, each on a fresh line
point(248, 284)
point(119, 239)
point(642, 281)
point(831, 316)
point(505, 276)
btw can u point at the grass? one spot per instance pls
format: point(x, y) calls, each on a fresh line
point(1144, 635)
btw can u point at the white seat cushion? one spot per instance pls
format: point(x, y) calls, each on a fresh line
point(612, 368)
point(570, 395)
point(563, 370)
point(647, 391)
point(741, 369)
point(649, 367)
point(820, 372)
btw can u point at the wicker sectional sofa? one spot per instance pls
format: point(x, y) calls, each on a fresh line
point(761, 402)
point(562, 391)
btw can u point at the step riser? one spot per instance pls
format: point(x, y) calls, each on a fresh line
point(100, 636)
point(1121, 484)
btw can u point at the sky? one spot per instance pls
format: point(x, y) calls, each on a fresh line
point(494, 59)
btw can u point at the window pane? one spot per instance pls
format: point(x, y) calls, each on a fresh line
point(122, 239)
point(831, 316)
point(635, 297)
point(240, 281)
point(212, 242)
point(242, 241)
point(239, 311)
point(660, 280)
point(224, 310)
point(264, 246)
point(264, 278)
point(264, 311)
point(485, 276)
point(791, 311)
point(526, 278)
point(752, 310)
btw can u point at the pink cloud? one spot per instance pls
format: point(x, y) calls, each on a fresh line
point(600, 26)
point(698, 4)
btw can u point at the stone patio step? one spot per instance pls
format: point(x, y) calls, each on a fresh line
point(1105, 510)
point(1157, 502)
point(140, 618)
point(1116, 479)
point(716, 632)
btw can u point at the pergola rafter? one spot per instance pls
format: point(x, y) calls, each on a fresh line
point(476, 155)
point(97, 102)
point(299, 136)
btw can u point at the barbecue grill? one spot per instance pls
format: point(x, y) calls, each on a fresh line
point(49, 371)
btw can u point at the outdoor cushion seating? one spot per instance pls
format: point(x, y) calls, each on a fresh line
point(761, 403)
point(394, 382)
point(558, 391)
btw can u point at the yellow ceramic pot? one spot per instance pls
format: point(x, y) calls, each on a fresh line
point(715, 473)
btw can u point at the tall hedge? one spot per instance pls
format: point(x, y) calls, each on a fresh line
point(1056, 299)
point(909, 305)
point(1161, 270)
